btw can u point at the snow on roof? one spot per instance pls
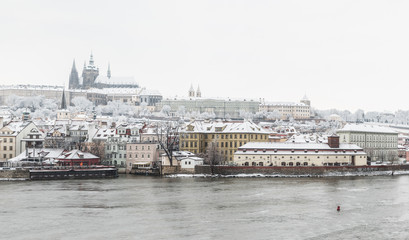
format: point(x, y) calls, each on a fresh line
point(76, 154)
point(225, 127)
point(104, 134)
point(32, 87)
point(366, 128)
point(116, 80)
point(289, 104)
point(111, 91)
point(297, 146)
point(149, 92)
point(16, 127)
point(45, 153)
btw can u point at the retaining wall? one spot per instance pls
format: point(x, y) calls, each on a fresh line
point(312, 171)
point(15, 174)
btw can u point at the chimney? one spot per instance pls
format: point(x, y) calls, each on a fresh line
point(333, 141)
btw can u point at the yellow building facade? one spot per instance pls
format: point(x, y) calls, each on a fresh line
point(197, 137)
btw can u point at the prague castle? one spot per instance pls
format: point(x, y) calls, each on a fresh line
point(90, 78)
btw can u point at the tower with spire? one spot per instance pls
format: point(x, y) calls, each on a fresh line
point(191, 91)
point(198, 92)
point(63, 101)
point(89, 74)
point(74, 81)
point(109, 71)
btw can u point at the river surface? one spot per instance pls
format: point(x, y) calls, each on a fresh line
point(136, 207)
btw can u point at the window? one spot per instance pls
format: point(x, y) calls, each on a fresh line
point(282, 163)
point(5, 140)
point(11, 148)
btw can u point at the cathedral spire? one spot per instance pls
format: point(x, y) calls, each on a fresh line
point(63, 102)
point(191, 91)
point(91, 60)
point(74, 79)
point(198, 92)
point(109, 70)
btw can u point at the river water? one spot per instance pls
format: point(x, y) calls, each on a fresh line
point(136, 207)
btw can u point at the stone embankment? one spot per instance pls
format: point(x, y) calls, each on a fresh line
point(301, 171)
point(14, 174)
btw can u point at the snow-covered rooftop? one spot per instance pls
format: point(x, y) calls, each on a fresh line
point(366, 128)
point(297, 146)
point(116, 80)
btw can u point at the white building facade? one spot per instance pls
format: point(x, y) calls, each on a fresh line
point(380, 143)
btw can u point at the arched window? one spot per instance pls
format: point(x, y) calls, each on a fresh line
point(290, 164)
point(298, 164)
point(305, 164)
point(260, 163)
point(282, 163)
point(246, 163)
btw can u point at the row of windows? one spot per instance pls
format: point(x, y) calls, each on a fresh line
point(5, 155)
point(148, 156)
point(221, 144)
point(5, 148)
point(226, 136)
point(261, 157)
point(115, 155)
point(294, 164)
point(5, 140)
point(142, 147)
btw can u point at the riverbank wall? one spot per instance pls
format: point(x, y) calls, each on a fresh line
point(16, 174)
point(298, 171)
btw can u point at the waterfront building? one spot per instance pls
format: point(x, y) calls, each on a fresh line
point(380, 143)
point(77, 158)
point(15, 136)
point(142, 154)
point(227, 137)
point(184, 159)
point(115, 150)
point(291, 154)
point(301, 110)
point(39, 155)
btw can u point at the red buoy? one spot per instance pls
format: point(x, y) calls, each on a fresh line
point(338, 208)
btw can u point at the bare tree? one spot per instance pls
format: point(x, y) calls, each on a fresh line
point(97, 148)
point(213, 155)
point(167, 133)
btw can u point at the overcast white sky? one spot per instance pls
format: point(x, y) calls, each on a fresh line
point(342, 54)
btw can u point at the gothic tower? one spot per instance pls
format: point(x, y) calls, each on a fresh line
point(89, 74)
point(191, 91)
point(109, 71)
point(63, 101)
point(198, 92)
point(74, 79)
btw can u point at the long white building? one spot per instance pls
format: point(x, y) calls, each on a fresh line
point(380, 143)
point(301, 110)
point(300, 154)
